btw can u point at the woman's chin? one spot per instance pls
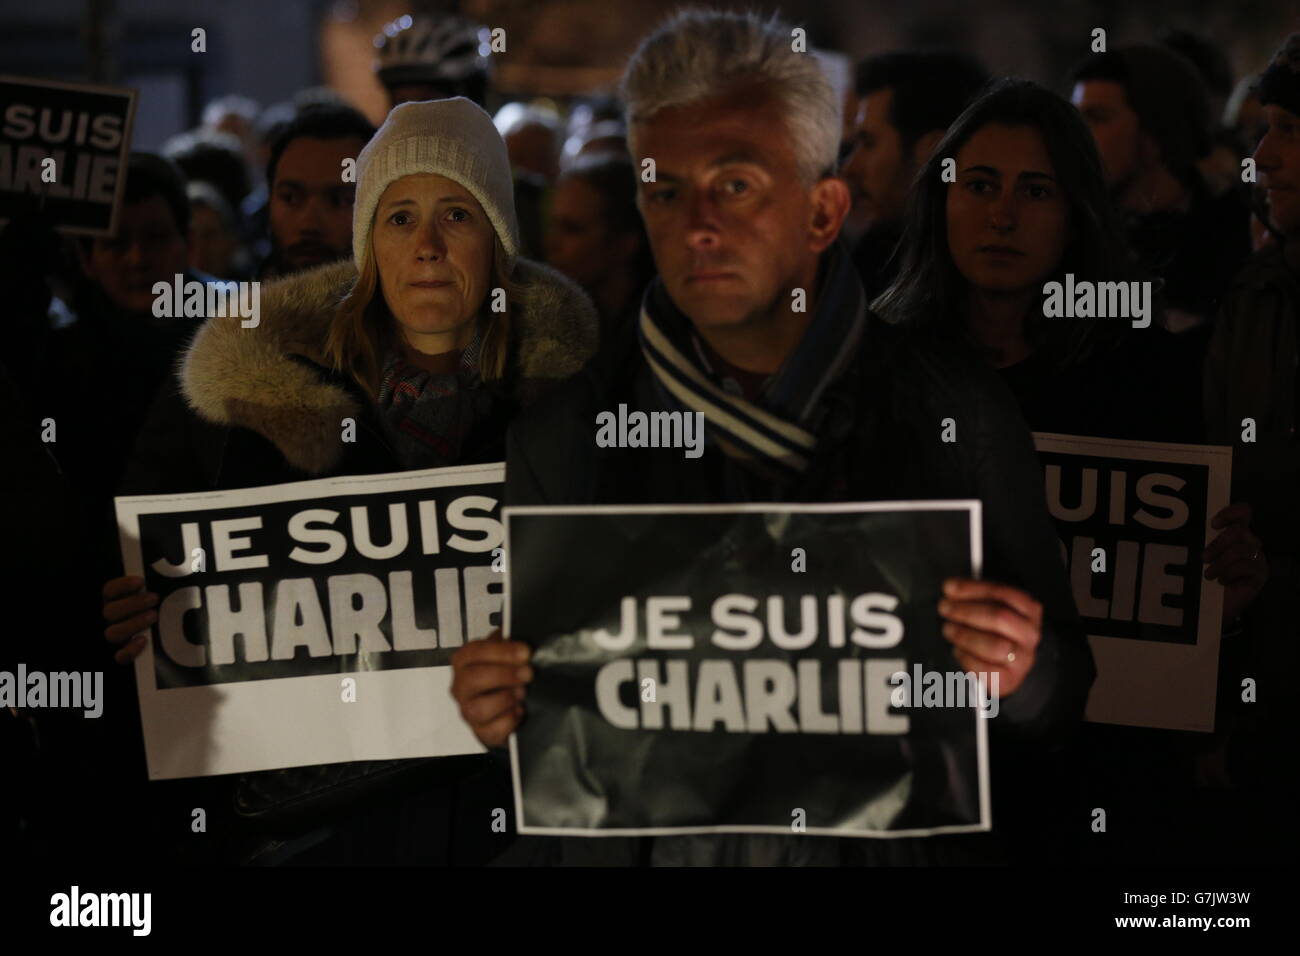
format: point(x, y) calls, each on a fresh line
point(431, 322)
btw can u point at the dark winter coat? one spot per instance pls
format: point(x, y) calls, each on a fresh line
point(1252, 372)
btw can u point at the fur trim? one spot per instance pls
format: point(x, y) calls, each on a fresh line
point(245, 377)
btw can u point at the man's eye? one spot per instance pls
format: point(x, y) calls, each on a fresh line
point(736, 187)
point(662, 195)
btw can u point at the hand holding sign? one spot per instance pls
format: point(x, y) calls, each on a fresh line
point(1235, 558)
point(993, 628)
point(128, 608)
point(488, 683)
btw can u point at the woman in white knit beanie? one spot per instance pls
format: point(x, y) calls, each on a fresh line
point(422, 352)
point(436, 335)
point(435, 202)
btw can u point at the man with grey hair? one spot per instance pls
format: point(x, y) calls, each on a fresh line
point(759, 322)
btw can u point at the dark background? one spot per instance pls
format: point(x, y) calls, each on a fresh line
point(555, 48)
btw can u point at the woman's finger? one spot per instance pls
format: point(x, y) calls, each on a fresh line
point(125, 630)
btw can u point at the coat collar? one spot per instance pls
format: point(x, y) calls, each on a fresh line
point(249, 377)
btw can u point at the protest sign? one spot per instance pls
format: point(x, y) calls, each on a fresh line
point(708, 669)
point(312, 622)
point(63, 150)
point(1133, 519)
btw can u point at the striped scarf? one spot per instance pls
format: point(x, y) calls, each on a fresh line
point(776, 435)
point(426, 415)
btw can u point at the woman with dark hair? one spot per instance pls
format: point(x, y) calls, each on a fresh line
point(1027, 207)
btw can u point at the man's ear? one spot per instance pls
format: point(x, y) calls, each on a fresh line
point(830, 206)
point(925, 147)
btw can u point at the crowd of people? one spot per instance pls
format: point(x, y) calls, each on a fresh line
point(922, 218)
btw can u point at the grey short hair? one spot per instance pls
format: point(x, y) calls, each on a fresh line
point(698, 54)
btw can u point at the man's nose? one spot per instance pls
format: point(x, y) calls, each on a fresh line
point(702, 221)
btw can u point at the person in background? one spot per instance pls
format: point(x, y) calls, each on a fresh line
point(533, 138)
point(906, 99)
point(211, 157)
point(1028, 207)
point(310, 206)
point(1220, 168)
point(214, 235)
point(595, 236)
point(115, 333)
point(434, 56)
point(237, 116)
point(256, 213)
point(1244, 114)
point(595, 120)
point(1149, 113)
point(1252, 403)
point(106, 357)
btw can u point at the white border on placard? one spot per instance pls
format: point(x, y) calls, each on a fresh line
point(972, 506)
point(238, 727)
point(1153, 683)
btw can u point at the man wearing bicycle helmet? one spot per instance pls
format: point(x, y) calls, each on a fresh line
point(433, 58)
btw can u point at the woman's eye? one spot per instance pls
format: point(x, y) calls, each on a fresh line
point(1039, 192)
point(459, 215)
point(399, 218)
point(662, 195)
point(979, 186)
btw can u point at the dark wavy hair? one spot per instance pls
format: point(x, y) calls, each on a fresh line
point(930, 296)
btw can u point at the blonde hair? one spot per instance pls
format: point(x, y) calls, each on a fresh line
point(363, 330)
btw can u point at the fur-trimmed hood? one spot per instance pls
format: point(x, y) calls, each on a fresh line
point(247, 377)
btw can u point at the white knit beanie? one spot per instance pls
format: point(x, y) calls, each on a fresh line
point(452, 138)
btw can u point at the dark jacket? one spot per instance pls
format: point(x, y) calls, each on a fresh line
point(880, 441)
point(258, 406)
point(1253, 372)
